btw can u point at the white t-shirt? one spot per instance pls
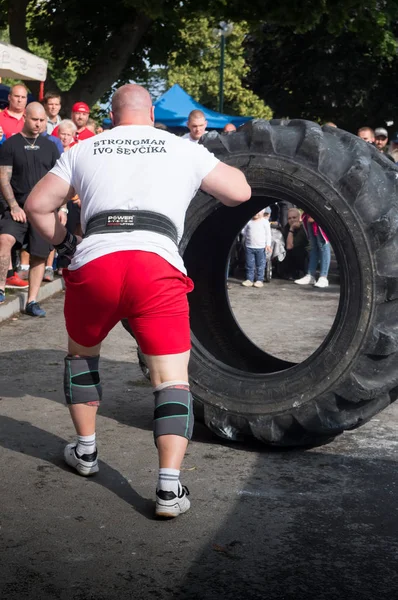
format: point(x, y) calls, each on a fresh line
point(187, 136)
point(52, 125)
point(134, 167)
point(257, 233)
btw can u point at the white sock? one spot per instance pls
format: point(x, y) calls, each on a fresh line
point(85, 444)
point(168, 480)
point(24, 267)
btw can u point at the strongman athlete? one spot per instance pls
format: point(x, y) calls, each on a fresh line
point(135, 183)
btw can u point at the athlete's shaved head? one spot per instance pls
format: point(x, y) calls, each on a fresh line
point(132, 105)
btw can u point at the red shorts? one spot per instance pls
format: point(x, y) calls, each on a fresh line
point(139, 286)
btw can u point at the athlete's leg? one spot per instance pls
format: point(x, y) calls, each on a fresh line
point(83, 393)
point(91, 311)
point(168, 367)
point(173, 425)
point(163, 369)
point(83, 414)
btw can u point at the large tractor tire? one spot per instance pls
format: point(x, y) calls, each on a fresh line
point(351, 191)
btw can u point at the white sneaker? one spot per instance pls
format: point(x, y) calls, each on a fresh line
point(247, 283)
point(306, 280)
point(258, 284)
point(169, 505)
point(322, 282)
point(85, 465)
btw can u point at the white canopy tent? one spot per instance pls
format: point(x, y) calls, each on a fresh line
point(16, 63)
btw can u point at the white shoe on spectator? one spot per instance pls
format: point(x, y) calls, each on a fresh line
point(247, 283)
point(48, 274)
point(306, 280)
point(258, 284)
point(322, 282)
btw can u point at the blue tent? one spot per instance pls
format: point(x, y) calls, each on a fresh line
point(172, 109)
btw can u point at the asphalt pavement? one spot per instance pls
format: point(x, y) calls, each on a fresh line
point(314, 524)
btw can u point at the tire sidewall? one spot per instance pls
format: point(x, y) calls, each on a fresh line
point(281, 178)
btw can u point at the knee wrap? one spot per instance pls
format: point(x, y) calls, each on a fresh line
point(173, 410)
point(82, 381)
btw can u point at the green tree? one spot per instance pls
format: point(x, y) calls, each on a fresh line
point(94, 45)
point(196, 68)
point(322, 76)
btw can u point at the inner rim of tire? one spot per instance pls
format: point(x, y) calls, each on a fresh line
point(213, 324)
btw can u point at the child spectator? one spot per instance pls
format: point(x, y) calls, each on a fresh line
point(257, 242)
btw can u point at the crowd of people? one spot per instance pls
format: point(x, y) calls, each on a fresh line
point(298, 251)
point(33, 136)
point(44, 136)
point(301, 247)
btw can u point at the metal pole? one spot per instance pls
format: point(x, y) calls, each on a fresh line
point(221, 99)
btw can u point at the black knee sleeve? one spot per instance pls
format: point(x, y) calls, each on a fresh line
point(82, 381)
point(173, 410)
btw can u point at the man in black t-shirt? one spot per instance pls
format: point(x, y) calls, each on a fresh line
point(24, 159)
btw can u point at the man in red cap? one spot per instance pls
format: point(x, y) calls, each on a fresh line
point(80, 116)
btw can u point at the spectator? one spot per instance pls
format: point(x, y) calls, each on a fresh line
point(92, 126)
point(49, 269)
point(80, 116)
point(282, 209)
point(24, 255)
point(52, 106)
point(330, 124)
point(54, 139)
point(393, 149)
point(381, 139)
point(66, 133)
point(12, 118)
point(295, 263)
point(366, 134)
point(229, 128)
point(24, 159)
point(196, 125)
point(107, 123)
point(319, 254)
point(257, 241)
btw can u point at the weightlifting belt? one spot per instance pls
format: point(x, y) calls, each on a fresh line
point(131, 220)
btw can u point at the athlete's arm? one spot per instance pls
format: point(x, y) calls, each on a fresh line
point(42, 205)
point(227, 184)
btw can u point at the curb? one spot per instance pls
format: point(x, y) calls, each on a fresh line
point(18, 303)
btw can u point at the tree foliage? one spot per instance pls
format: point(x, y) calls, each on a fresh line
point(92, 45)
point(196, 67)
point(321, 76)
